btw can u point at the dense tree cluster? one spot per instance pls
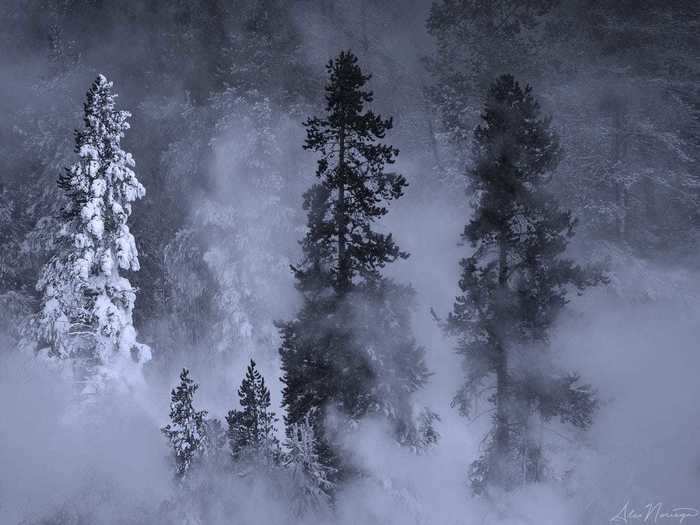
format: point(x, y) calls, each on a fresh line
point(230, 264)
point(626, 157)
point(196, 442)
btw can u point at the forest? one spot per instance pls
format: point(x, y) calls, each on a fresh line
point(349, 262)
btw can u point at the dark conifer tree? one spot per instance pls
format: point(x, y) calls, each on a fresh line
point(186, 431)
point(350, 347)
point(251, 430)
point(513, 287)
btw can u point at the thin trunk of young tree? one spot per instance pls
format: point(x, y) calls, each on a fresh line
point(341, 219)
point(501, 431)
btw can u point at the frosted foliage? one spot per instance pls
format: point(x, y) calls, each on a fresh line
point(311, 476)
point(186, 431)
point(234, 253)
point(250, 140)
point(86, 308)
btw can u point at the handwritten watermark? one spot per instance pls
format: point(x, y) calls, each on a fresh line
point(654, 513)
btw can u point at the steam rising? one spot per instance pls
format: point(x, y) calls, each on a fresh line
point(108, 463)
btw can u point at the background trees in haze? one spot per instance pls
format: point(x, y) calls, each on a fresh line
point(220, 92)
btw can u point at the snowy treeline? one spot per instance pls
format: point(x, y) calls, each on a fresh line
point(347, 226)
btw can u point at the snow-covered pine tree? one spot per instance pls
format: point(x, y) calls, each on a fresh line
point(513, 287)
point(251, 430)
point(311, 476)
point(350, 349)
point(86, 307)
point(187, 430)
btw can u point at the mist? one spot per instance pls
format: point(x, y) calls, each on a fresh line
point(220, 96)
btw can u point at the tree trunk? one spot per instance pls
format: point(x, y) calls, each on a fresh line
point(502, 430)
point(340, 218)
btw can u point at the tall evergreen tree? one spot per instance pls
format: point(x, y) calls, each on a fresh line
point(187, 430)
point(350, 348)
point(251, 430)
point(514, 285)
point(86, 308)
